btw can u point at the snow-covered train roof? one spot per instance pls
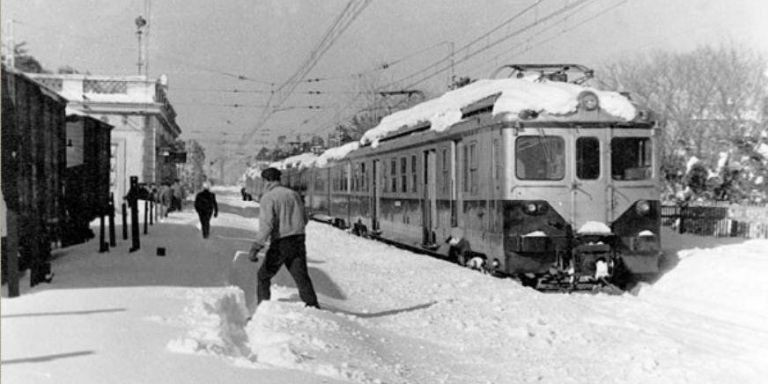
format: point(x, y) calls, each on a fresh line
point(515, 95)
point(336, 153)
point(303, 160)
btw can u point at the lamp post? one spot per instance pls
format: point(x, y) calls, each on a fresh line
point(141, 24)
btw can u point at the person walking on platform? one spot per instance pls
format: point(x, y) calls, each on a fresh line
point(282, 220)
point(176, 196)
point(205, 205)
point(165, 200)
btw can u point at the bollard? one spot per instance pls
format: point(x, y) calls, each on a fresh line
point(125, 222)
point(133, 199)
point(146, 215)
point(103, 247)
point(112, 240)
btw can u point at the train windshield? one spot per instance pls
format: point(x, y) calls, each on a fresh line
point(540, 158)
point(631, 158)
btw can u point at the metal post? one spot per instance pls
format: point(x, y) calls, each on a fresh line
point(125, 222)
point(112, 240)
point(151, 212)
point(146, 215)
point(103, 246)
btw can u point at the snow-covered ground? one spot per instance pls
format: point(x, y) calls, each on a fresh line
point(389, 316)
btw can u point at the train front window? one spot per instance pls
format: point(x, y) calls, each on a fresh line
point(631, 158)
point(540, 158)
point(587, 158)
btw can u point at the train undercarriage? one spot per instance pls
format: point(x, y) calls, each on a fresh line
point(591, 265)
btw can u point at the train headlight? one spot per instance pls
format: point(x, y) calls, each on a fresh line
point(642, 207)
point(535, 208)
point(588, 100)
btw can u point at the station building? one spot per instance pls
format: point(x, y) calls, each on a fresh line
point(144, 137)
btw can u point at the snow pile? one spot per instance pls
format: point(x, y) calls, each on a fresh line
point(594, 228)
point(283, 334)
point(516, 95)
point(217, 327)
point(336, 153)
point(726, 282)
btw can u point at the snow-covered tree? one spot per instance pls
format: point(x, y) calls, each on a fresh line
point(711, 104)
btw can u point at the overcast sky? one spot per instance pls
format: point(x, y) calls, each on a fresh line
point(201, 44)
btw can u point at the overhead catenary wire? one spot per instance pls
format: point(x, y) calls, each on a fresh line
point(531, 44)
point(506, 22)
point(568, 11)
point(352, 10)
point(502, 39)
point(579, 24)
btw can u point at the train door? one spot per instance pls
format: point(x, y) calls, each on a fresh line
point(589, 197)
point(429, 208)
point(328, 190)
point(456, 196)
point(347, 190)
point(375, 193)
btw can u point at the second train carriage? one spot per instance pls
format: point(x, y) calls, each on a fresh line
point(543, 179)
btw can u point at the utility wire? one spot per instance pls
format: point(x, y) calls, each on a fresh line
point(353, 9)
point(501, 39)
point(579, 24)
point(467, 45)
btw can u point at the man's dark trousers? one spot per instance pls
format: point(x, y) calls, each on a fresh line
point(292, 252)
point(205, 223)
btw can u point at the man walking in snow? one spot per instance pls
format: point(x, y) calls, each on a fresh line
point(282, 219)
point(205, 205)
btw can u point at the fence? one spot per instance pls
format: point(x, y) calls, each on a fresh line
point(718, 220)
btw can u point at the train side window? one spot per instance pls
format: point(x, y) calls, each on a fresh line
point(631, 158)
point(393, 175)
point(384, 183)
point(496, 159)
point(363, 178)
point(465, 169)
point(414, 174)
point(403, 174)
point(473, 165)
point(446, 172)
point(540, 158)
point(587, 158)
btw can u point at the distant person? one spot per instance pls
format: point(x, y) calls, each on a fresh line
point(282, 220)
point(165, 199)
point(205, 205)
point(246, 196)
point(176, 196)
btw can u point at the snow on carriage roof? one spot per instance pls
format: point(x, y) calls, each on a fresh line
point(303, 160)
point(336, 153)
point(555, 98)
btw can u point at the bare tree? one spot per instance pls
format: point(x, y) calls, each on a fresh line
point(708, 100)
point(379, 102)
